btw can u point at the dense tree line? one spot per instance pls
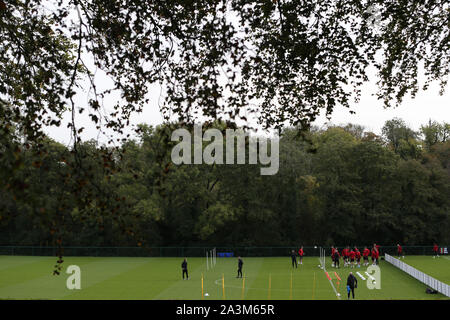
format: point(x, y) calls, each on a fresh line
point(342, 184)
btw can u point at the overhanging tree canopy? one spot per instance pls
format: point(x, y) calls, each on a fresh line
point(284, 61)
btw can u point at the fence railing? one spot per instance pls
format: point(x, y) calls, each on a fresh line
point(419, 275)
point(248, 251)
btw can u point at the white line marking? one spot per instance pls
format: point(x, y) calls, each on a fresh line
point(369, 275)
point(360, 275)
point(332, 285)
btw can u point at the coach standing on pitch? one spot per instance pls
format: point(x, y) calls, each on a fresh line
point(294, 259)
point(240, 263)
point(336, 258)
point(184, 268)
point(352, 283)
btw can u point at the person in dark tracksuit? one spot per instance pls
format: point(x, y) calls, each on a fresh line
point(184, 268)
point(294, 259)
point(336, 258)
point(352, 283)
point(240, 263)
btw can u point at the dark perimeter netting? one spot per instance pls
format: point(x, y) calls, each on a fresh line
point(198, 251)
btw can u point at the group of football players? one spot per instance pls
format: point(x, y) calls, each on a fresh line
point(352, 256)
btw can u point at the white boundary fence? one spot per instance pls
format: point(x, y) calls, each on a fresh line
point(419, 275)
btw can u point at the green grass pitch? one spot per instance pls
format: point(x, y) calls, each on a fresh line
point(438, 268)
point(23, 277)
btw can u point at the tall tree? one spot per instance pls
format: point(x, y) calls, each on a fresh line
point(401, 138)
point(435, 132)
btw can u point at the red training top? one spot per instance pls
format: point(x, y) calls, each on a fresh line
point(366, 252)
point(352, 254)
point(374, 253)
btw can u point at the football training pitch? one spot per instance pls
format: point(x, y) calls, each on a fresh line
point(438, 268)
point(26, 277)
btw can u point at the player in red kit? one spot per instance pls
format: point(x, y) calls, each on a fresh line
point(352, 255)
point(345, 256)
point(358, 257)
point(366, 253)
point(300, 254)
point(374, 255)
point(378, 251)
point(400, 252)
point(435, 251)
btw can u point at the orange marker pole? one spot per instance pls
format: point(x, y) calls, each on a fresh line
point(337, 276)
point(338, 280)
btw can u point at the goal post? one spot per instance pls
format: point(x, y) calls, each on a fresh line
point(211, 258)
point(322, 257)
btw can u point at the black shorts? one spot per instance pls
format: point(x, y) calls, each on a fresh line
point(366, 258)
point(352, 260)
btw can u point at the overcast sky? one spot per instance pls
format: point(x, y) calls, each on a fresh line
point(416, 112)
point(369, 113)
